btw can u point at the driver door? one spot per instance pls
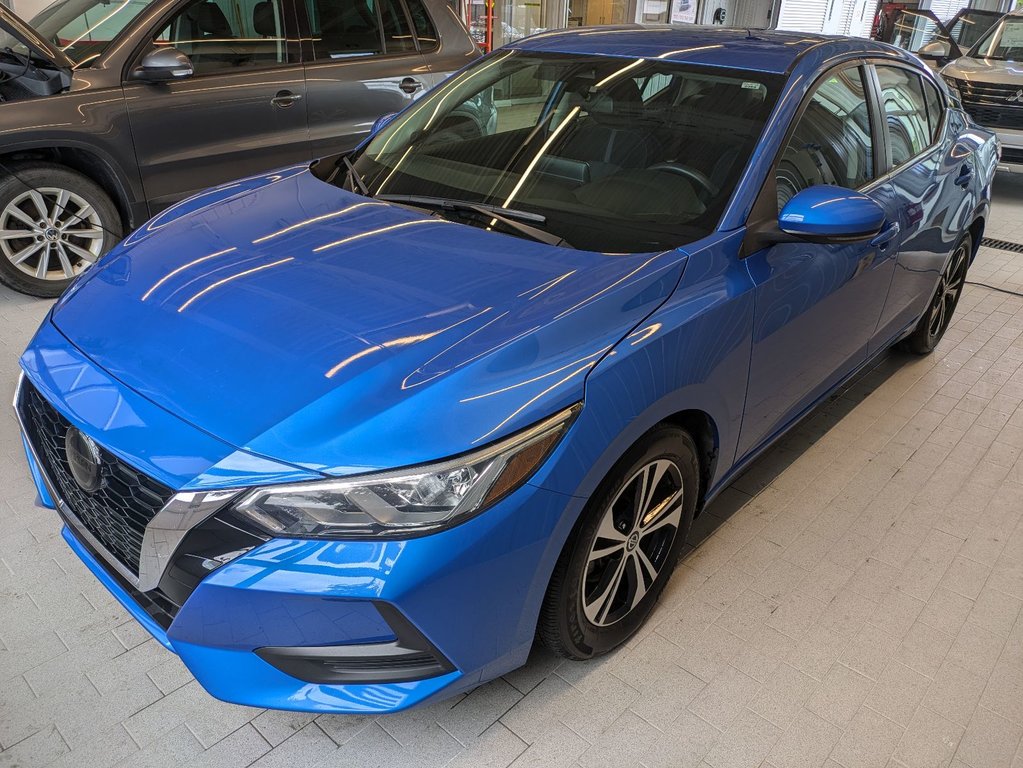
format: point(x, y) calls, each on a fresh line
point(817, 305)
point(242, 112)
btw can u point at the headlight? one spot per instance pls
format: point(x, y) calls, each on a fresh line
point(406, 501)
point(953, 85)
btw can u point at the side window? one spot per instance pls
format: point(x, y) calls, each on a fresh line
point(935, 109)
point(905, 110)
point(344, 28)
point(831, 143)
point(425, 30)
point(397, 33)
point(220, 35)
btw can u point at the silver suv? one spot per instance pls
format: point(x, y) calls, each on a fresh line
point(989, 81)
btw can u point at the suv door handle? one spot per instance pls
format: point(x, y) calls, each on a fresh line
point(965, 176)
point(886, 235)
point(285, 99)
point(410, 85)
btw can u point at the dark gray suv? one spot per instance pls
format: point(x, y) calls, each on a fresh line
point(114, 110)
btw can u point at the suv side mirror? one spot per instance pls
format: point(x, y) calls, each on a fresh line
point(826, 214)
point(936, 50)
point(163, 65)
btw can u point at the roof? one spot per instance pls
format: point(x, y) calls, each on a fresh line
point(758, 49)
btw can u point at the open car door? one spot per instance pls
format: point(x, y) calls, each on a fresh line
point(934, 41)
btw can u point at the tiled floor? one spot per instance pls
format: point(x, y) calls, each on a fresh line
point(855, 603)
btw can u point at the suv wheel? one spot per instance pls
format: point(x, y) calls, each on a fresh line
point(624, 549)
point(54, 224)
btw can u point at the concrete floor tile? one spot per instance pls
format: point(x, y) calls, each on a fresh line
point(990, 741)
point(930, 741)
point(806, 744)
point(898, 692)
point(840, 696)
point(868, 742)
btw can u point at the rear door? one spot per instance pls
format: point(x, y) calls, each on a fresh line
point(363, 61)
point(817, 305)
point(932, 174)
point(242, 111)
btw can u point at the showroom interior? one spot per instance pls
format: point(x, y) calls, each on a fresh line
point(271, 404)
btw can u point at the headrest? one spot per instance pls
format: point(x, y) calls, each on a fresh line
point(264, 18)
point(620, 100)
point(210, 19)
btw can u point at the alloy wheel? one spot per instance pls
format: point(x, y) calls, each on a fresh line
point(633, 542)
point(950, 287)
point(51, 233)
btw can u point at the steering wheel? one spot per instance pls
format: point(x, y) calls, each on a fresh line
point(692, 174)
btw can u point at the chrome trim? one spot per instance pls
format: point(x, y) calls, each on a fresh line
point(163, 533)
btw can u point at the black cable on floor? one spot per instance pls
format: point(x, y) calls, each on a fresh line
point(993, 288)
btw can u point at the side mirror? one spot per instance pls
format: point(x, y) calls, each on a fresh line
point(936, 50)
point(825, 214)
point(163, 65)
point(381, 122)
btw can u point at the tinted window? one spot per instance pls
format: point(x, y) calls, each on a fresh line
point(905, 108)
point(425, 30)
point(344, 28)
point(220, 35)
point(397, 33)
point(935, 109)
point(831, 143)
point(613, 155)
point(347, 28)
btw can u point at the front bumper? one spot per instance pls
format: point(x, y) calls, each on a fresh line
point(472, 593)
point(1011, 142)
point(468, 598)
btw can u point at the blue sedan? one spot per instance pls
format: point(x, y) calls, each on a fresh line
point(348, 437)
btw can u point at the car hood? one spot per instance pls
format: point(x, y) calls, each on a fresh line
point(40, 47)
point(341, 334)
point(985, 70)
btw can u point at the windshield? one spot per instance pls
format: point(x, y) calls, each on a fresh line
point(1004, 41)
point(609, 154)
point(81, 28)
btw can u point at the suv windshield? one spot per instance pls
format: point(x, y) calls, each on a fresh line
point(1004, 41)
point(81, 28)
point(608, 154)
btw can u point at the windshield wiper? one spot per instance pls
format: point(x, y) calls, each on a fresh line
point(511, 218)
point(354, 179)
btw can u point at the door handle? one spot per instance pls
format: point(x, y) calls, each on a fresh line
point(886, 235)
point(410, 85)
point(285, 99)
point(965, 176)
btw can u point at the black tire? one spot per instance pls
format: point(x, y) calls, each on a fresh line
point(80, 219)
point(938, 315)
point(575, 622)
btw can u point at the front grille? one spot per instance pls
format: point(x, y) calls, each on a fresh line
point(994, 117)
point(997, 94)
point(118, 512)
point(1012, 155)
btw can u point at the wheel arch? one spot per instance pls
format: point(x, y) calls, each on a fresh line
point(87, 162)
point(976, 230)
point(702, 428)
